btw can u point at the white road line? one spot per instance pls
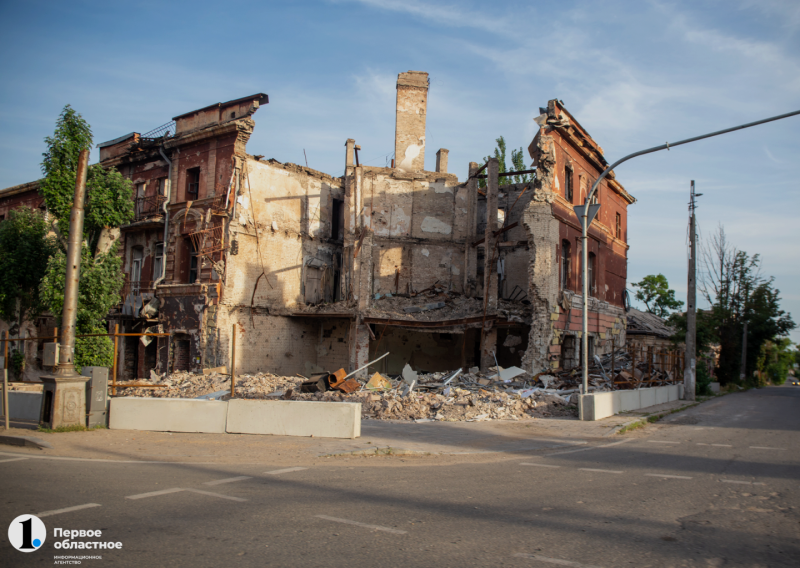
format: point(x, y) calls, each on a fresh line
point(766, 448)
point(228, 480)
point(722, 445)
point(554, 560)
point(541, 465)
point(356, 523)
point(591, 448)
point(742, 482)
point(667, 476)
point(660, 442)
point(155, 493)
point(68, 509)
point(598, 470)
point(239, 499)
point(287, 470)
point(13, 460)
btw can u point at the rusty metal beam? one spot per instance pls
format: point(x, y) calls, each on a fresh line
point(496, 233)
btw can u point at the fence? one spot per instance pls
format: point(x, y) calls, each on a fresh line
point(116, 335)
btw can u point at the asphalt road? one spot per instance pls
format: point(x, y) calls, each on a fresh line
point(713, 486)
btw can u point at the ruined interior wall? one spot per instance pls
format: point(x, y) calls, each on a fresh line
point(282, 225)
point(279, 344)
point(420, 226)
point(423, 350)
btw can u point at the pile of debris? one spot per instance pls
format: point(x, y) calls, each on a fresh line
point(505, 394)
point(510, 394)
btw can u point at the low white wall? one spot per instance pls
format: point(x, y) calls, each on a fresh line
point(597, 406)
point(239, 416)
point(295, 418)
point(23, 405)
point(168, 415)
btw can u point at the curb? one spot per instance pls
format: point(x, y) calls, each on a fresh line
point(28, 441)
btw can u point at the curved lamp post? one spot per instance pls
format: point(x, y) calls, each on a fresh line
point(587, 213)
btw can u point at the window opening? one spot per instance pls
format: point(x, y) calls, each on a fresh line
point(568, 183)
point(619, 226)
point(193, 181)
point(158, 261)
point(337, 219)
point(565, 264)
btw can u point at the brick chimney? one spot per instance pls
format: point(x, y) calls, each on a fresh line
point(412, 106)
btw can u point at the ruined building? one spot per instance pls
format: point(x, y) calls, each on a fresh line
point(313, 271)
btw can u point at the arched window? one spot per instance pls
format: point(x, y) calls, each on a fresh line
point(565, 264)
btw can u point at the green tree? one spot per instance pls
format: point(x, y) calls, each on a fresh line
point(738, 293)
point(775, 360)
point(108, 204)
point(654, 291)
point(517, 165)
point(24, 250)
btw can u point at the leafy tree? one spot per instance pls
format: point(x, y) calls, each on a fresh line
point(654, 291)
point(775, 360)
point(109, 203)
point(517, 165)
point(738, 293)
point(24, 250)
point(705, 329)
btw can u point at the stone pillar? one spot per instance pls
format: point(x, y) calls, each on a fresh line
point(412, 105)
point(471, 252)
point(542, 228)
point(489, 256)
point(489, 337)
point(359, 347)
point(441, 160)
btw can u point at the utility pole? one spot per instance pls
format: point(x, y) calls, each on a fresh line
point(743, 369)
point(691, 306)
point(64, 392)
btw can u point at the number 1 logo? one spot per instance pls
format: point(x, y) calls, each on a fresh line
point(26, 533)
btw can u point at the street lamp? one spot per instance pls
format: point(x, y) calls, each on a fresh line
point(587, 212)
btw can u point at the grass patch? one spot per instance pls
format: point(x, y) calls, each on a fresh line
point(652, 419)
point(72, 428)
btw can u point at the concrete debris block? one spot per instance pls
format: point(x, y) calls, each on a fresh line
point(474, 370)
point(435, 306)
point(220, 370)
point(155, 377)
point(412, 309)
point(507, 374)
point(547, 380)
point(409, 375)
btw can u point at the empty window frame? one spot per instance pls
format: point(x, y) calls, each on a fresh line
point(193, 267)
point(591, 272)
point(193, 182)
point(337, 220)
point(568, 183)
point(565, 264)
point(618, 229)
point(158, 261)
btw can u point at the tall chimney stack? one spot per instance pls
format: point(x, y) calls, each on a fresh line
point(412, 106)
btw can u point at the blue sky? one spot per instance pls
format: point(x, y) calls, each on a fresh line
point(635, 74)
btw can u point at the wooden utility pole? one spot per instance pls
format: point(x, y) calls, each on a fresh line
point(691, 308)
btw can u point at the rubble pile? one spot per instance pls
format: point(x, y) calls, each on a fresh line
point(499, 394)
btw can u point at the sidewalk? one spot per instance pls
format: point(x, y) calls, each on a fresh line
point(479, 440)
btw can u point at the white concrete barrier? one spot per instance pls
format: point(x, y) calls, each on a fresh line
point(168, 415)
point(597, 406)
point(23, 405)
point(295, 418)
